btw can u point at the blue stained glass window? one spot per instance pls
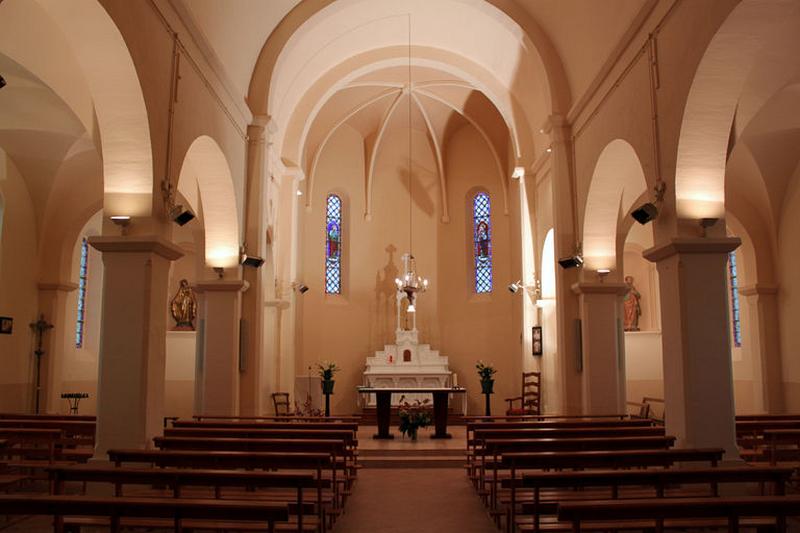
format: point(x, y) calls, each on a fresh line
point(333, 245)
point(82, 277)
point(482, 241)
point(735, 309)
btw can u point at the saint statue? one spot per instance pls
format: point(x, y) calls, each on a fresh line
point(184, 308)
point(632, 306)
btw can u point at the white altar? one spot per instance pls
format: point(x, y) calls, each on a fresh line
point(407, 363)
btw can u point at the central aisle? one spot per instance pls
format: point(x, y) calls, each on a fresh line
point(414, 500)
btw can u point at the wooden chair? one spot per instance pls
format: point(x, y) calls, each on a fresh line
point(281, 402)
point(530, 400)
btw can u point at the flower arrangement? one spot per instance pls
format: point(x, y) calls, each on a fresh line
point(308, 408)
point(413, 416)
point(486, 372)
point(327, 370)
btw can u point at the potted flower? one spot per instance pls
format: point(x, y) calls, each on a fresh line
point(326, 372)
point(414, 416)
point(486, 373)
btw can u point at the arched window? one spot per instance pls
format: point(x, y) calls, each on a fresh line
point(482, 237)
point(333, 245)
point(82, 276)
point(733, 278)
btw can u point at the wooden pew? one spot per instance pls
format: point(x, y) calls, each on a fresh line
point(318, 463)
point(658, 482)
point(744, 418)
point(22, 416)
point(279, 418)
point(516, 461)
point(179, 479)
point(71, 428)
point(177, 509)
point(278, 424)
point(501, 418)
point(730, 509)
point(495, 448)
point(782, 445)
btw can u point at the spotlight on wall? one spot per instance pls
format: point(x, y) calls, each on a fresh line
point(123, 221)
point(2, 82)
point(518, 173)
point(180, 215)
point(649, 211)
point(513, 288)
point(572, 261)
point(646, 213)
point(300, 287)
point(252, 261)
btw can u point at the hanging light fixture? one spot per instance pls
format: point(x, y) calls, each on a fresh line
point(410, 283)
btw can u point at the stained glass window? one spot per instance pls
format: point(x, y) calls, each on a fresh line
point(482, 233)
point(333, 245)
point(82, 276)
point(734, 284)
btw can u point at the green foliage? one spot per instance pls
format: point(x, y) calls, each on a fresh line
point(327, 370)
point(414, 416)
point(486, 372)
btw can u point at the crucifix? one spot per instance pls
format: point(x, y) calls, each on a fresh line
point(39, 327)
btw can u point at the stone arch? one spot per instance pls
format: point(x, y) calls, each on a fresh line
point(542, 51)
point(205, 164)
point(712, 103)
point(102, 66)
point(617, 182)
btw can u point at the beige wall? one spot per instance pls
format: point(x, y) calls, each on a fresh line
point(18, 291)
point(789, 293)
point(451, 317)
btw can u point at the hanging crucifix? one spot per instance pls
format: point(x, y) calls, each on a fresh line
point(39, 328)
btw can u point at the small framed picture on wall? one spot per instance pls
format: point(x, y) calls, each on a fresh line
point(536, 340)
point(6, 325)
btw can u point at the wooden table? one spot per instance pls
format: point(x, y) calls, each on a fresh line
point(383, 400)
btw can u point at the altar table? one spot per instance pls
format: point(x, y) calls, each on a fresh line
point(383, 400)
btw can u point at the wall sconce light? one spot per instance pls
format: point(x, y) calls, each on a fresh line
point(602, 273)
point(706, 223)
point(519, 172)
point(220, 272)
point(123, 221)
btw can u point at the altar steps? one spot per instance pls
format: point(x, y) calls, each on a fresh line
point(423, 458)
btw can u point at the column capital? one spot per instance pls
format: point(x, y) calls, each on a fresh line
point(65, 286)
point(691, 245)
point(596, 287)
point(758, 288)
point(137, 243)
point(222, 285)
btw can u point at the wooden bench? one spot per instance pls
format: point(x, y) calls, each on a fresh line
point(22, 416)
point(516, 461)
point(318, 463)
point(289, 418)
point(480, 418)
point(115, 508)
point(494, 448)
point(729, 509)
point(179, 480)
point(743, 418)
point(657, 482)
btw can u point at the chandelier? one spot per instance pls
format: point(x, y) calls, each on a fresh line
point(410, 283)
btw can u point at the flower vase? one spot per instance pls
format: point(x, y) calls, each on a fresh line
point(487, 386)
point(327, 386)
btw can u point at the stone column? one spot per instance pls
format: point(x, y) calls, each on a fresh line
point(250, 397)
point(698, 375)
point(567, 310)
point(130, 389)
point(762, 303)
point(220, 311)
point(53, 305)
point(603, 389)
